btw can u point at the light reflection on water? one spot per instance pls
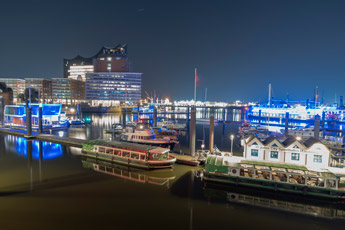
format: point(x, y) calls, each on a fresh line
point(85, 192)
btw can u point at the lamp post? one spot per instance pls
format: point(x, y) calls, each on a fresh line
point(232, 141)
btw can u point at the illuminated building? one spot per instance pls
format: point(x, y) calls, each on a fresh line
point(15, 115)
point(68, 91)
point(107, 59)
point(113, 88)
point(17, 86)
point(77, 72)
point(43, 86)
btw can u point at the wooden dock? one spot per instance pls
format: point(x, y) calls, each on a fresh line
point(180, 158)
point(44, 137)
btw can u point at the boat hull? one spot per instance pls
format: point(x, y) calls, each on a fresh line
point(130, 162)
point(274, 185)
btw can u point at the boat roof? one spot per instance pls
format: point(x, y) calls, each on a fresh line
point(124, 145)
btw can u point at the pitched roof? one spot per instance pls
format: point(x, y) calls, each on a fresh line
point(288, 141)
point(308, 143)
point(269, 140)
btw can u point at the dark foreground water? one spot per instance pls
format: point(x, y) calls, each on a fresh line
point(50, 186)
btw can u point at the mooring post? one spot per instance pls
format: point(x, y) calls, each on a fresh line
point(2, 111)
point(187, 113)
point(124, 111)
point(287, 123)
point(259, 116)
point(323, 125)
point(211, 140)
point(223, 115)
point(192, 131)
point(28, 120)
point(40, 127)
point(317, 127)
point(155, 116)
point(138, 113)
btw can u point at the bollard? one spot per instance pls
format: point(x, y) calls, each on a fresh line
point(317, 127)
point(211, 140)
point(40, 127)
point(28, 121)
point(286, 124)
point(124, 111)
point(192, 132)
point(155, 117)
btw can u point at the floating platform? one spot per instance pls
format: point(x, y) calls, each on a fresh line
point(185, 159)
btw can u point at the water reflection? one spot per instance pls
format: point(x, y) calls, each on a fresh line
point(274, 201)
point(33, 148)
point(162, 178)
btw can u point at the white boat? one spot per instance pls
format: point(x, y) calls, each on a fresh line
point(303, 132)
point(144, 135)
point(171, 125)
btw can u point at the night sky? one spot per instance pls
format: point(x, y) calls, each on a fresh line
point(237, 46)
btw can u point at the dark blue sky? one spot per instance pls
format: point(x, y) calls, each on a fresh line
point(237, 46)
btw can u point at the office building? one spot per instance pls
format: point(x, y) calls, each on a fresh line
point(17, 86)
point(113, 88)
point(68, 91)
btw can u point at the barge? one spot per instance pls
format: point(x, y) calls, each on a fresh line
point(292, 166)
point(133, 155)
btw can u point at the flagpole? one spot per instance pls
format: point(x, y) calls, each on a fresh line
point(195, 86)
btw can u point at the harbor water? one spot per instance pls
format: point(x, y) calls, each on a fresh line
point(51, 186)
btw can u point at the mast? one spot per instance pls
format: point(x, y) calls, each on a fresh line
point(269, 94)
point(195, 78)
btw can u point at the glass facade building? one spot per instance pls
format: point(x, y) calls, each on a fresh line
point(17, 86)
point(113, 88)
point(68, 91)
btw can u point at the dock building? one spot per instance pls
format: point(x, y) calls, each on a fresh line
point(310, 153)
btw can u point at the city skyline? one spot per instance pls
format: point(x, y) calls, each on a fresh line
point(237, 46)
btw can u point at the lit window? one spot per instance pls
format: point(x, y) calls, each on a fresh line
point(318, 158)
point(274, 154)
point(255, 152)
point(295, 156)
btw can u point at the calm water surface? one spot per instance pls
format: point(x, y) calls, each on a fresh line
point(50, 186)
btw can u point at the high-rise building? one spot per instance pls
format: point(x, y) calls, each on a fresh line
point(107, 59)
point(17, 86)
point(43, 86)
point(68, 91)
point(113, 88)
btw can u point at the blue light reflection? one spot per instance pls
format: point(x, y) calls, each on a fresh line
point(49, 150)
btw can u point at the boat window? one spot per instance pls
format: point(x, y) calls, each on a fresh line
point(296, 179)
point(101, 149)
point(331, 183)
point(118, 152)
point(142, 157)
point(109, 151)
point(101, 168)
point(135, 155)
point(109, 169)
point(125, 154)
point(315, 181)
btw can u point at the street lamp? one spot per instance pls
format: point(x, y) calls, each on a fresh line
point(232, 141)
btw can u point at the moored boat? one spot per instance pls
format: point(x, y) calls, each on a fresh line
point(292, 166)
point(135, 155)
point(146, 136)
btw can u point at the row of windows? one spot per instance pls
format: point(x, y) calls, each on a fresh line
point(294, 156)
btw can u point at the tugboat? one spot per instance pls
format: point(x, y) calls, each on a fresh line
point(145, 135)
point(134, 155)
